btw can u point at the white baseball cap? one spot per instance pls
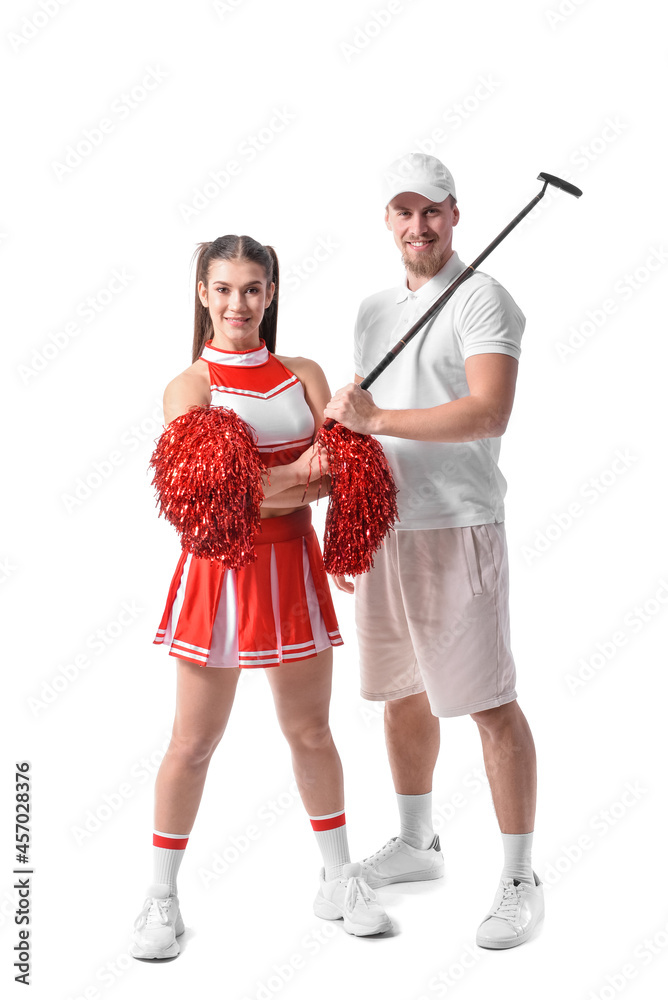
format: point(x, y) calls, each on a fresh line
point(420, 174)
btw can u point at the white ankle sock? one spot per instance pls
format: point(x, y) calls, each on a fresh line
point(517, 856)
point(416, 821)
point(168, 851)
point(330, 833)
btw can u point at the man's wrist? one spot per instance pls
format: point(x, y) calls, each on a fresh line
point(379, 421)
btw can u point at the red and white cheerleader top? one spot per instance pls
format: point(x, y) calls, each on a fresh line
point(278, 608)
point(265, 394)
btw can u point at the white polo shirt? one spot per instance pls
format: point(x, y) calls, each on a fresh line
point(441, 485)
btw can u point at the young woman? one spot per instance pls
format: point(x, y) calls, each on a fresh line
point(275, 613)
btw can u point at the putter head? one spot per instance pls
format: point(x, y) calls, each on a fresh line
point(557, 182)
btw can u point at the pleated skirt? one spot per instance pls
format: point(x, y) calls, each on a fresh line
point(275, 610)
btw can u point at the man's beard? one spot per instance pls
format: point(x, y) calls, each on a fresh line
point(423, 265)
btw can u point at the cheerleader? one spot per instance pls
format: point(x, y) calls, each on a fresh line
point(275, 613)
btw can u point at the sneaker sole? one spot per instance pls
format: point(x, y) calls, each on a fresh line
point(362, 930)
point(502, 945)
point(377, 882)
point(138, 952)
point(327, 910)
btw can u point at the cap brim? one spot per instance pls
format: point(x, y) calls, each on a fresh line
point(434, 194)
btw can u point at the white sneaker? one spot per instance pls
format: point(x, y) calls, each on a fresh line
point(158, 925)
point(397, 861)
point(352, 899)
point(517, 911)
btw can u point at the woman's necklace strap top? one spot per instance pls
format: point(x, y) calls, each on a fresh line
point(267, 395)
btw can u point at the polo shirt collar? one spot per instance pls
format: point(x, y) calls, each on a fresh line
point(433, 288)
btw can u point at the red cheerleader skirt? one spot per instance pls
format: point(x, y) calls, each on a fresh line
point(274, 610)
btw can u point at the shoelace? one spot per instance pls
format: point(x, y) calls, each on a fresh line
point(156, 911)
point(358, 890)
point(510, 902)
point(379, 855)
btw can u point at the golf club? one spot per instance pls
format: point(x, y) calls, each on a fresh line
point(452, 288)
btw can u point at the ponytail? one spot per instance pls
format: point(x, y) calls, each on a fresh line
point(270, 319)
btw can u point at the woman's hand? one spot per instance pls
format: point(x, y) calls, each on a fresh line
point(344, 584)
point(312, 465)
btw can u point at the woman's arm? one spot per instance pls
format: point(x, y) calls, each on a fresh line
point(185, 391)
point(288, 482)
point(283, 485)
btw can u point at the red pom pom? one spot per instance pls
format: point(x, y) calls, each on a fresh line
point(362, 500)
point(208, 478)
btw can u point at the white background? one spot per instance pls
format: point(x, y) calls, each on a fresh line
point(514, 88)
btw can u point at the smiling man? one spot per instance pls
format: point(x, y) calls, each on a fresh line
point(432, 614)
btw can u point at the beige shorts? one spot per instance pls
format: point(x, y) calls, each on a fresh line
point(432, 615)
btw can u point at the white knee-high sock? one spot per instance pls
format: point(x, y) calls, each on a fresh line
point(517, 856)
point(417, 827)
point(168, 851)
point(330, 833)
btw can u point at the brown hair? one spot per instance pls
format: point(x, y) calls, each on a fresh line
point(234, 248)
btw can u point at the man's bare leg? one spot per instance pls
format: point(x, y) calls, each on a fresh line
point(413, 736)
point(510, 761)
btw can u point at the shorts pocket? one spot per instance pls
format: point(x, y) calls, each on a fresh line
point(472, 560)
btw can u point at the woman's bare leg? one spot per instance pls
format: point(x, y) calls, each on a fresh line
point(204, 699)
point(301, 693)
